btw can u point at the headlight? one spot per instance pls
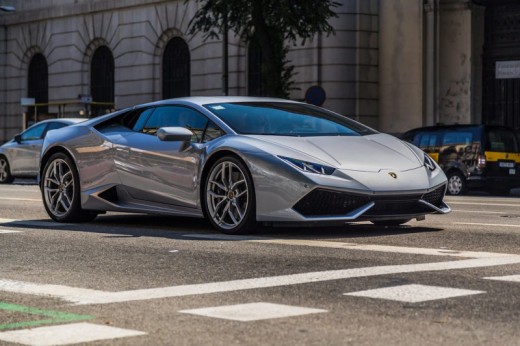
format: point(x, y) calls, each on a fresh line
point(429, 162)
point(308, 167)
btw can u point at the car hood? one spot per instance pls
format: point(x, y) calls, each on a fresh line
point(371, 153)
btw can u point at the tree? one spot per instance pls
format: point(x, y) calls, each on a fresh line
point(270, 24)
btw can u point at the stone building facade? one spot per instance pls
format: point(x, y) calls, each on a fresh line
point(392, 64)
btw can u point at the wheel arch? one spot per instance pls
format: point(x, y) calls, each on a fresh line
point(456, 169)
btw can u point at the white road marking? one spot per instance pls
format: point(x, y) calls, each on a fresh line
point(414, 293)
point(66, 293)
point(253, 311)
point(485, 204)
point(84, 296)
point(479, 211)
point(510, 278)
point(354, 246)
point(88, 296)
point(66, 334)
point(486, 224)
point(5, 231)
point(20, 199)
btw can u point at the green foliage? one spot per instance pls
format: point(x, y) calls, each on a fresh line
point(271, 23)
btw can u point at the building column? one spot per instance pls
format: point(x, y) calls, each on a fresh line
point(401, 65)
point(455, 62)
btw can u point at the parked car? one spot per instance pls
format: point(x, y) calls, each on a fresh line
point(20, 157)
point(237, 161)
point(472, 156)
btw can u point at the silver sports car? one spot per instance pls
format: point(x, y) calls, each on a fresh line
point(238, 161)
point(20, 157)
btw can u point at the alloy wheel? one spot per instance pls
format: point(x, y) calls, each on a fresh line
point(227, 195)
point(3, 169)
point(58, 187)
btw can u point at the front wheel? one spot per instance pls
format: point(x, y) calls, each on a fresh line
point(61, 190)
point(456, 183)
point(5, 171)
point(229, 197)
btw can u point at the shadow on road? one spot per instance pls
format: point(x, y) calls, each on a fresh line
point(138, 225)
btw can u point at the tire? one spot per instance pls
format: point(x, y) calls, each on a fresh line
point(456, 184)
point(61, 190)
point(390, 223)
point(229, 197)
point(5, 171)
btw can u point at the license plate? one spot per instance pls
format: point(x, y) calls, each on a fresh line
point(506, 164)
point(512, 171)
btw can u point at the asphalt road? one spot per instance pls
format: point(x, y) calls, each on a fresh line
point(148, 280)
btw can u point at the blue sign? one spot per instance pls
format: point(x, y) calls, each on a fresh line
point(315, 95)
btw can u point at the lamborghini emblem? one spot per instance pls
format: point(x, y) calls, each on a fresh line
point(392, 174)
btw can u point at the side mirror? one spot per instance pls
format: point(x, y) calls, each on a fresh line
point(18, 138)
point(174, 134)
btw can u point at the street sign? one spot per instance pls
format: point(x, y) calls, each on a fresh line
point(27, 101)
point(85, 98)
point(507, 69)
point(315, 95)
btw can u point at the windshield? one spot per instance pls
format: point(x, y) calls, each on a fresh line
point(285, 119)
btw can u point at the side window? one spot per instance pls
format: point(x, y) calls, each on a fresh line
point(502, 141)
point(141, 120)
point(457, 141)
point(212, 132)
point(427, 141)
point(33, 133)
point(54, 126)
point(176, 116)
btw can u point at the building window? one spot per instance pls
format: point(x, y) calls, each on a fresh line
point(38, 87)
point(102, 81)
point(501, 94)
point(255, 85)
point(176, 69)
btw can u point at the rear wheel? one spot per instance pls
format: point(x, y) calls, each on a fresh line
point(456, 183)
point(229, 197)
point(397, 222)
point(61, 190)
point(5, 171)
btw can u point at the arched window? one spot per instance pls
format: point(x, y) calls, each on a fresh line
point(102, 80)
point(38, 80)
point(176, 69)
point(255, 84)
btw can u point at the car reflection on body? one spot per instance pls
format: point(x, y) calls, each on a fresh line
point(238, 161)
point(20, 157)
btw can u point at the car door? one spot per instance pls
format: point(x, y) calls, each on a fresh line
point(162, 171)
point(25, 154)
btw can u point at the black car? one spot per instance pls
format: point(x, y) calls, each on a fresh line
point(472, 156)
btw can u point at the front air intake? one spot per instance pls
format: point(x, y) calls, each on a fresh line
point(320, 202)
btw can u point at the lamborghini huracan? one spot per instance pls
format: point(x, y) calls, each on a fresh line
point(239, 162)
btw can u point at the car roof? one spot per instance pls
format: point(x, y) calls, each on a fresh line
point(63, 120)
point(203, 100)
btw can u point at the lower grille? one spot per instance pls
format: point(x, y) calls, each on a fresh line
point(321, 202)
point(435, 197)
